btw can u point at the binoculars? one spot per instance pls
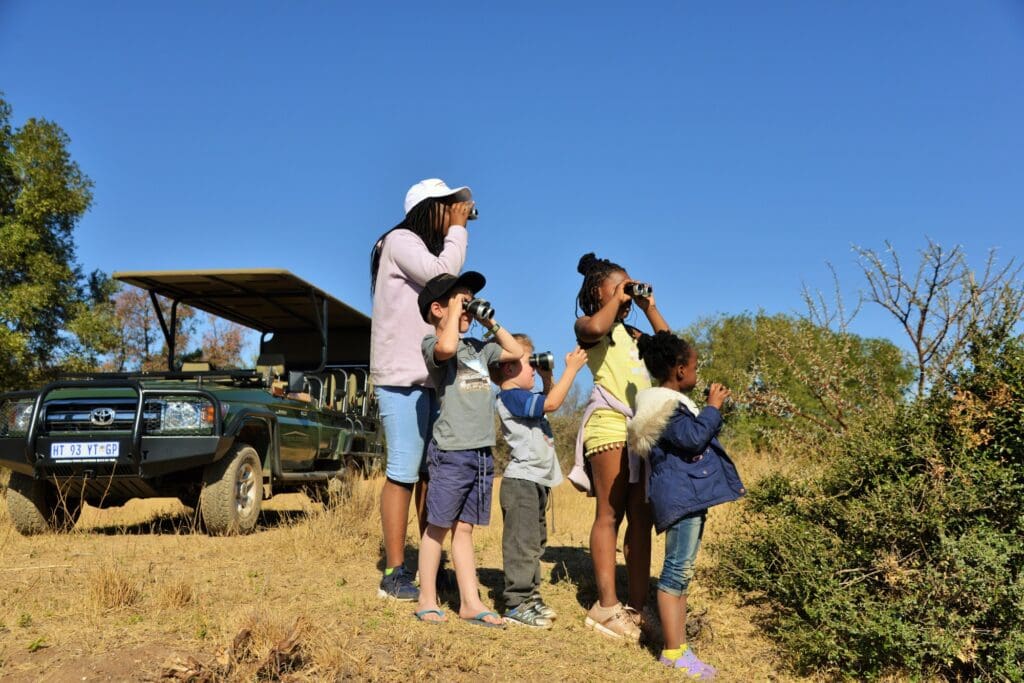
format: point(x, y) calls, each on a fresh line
point(542, 361)
point(479, 309)
point(639, 289)
point(473, 214)
point(725, 406)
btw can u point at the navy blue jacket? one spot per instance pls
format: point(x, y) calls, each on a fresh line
point(689, 469)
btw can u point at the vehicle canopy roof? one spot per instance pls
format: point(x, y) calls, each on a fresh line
point(309, 326)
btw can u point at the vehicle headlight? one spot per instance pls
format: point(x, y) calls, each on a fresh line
point(186, 416)
point(15, 416)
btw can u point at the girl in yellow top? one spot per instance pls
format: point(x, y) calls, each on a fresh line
point(614, 360)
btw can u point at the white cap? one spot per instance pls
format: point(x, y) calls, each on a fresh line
point(433, 187)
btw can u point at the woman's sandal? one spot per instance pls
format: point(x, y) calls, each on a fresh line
point(421, 616)
point(480, 620)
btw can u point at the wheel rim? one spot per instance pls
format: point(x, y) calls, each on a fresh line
point(245, 489)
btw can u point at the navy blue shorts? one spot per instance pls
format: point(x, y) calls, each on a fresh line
point(460, 486)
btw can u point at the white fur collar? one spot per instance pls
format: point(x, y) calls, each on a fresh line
point(654, 407)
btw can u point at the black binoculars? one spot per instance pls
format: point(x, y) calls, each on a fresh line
point(725, 406)
point(473, 214)
point(639, 289)
point(479, 309)
point(542, 361)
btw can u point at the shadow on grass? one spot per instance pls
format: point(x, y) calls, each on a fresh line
point(573, 564)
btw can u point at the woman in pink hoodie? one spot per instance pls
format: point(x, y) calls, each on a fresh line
point(430, 240)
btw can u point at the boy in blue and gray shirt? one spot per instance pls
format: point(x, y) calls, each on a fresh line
point(531, 472)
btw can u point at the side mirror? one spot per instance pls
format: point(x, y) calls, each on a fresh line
point(296, 381)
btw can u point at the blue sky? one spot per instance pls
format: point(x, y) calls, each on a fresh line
point(722, 151)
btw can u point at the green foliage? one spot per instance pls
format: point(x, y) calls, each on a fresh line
point(788, 374)
point(906, 554)
point(48, 320)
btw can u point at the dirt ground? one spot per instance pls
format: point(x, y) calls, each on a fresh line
point(133, 594)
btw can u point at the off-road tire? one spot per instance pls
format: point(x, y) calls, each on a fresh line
point(36, 508)
point(232, 492)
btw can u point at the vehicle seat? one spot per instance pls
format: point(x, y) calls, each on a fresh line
point(196, 366)
point(352, 394)
point(327, 394)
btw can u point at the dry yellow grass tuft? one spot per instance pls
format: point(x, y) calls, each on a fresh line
point(298, 600)
point(112, 586)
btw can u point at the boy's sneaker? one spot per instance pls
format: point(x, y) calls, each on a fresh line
point(398, 585)
point(616, 621)
point(691, 666)
point(526, 614)
point(542, 608)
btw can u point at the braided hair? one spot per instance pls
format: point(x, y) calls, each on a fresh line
point(423, 221)
point(663, 351)
point(594, 271)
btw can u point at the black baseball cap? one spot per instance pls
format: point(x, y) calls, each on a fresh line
point(437, 288)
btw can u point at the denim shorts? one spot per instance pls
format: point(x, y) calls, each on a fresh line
point(460, 486)
point(682, 540)
point(408, 415)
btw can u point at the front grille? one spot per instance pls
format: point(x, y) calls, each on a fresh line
point(98, 415)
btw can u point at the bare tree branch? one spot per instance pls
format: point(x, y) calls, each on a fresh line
point(943, 302)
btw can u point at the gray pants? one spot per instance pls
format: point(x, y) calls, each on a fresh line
point(523, 538)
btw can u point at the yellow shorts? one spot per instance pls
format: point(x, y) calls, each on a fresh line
point(605, 429)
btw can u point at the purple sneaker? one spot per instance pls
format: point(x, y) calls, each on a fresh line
point(688, 662)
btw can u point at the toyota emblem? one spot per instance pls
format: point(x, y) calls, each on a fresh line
point(102, 417)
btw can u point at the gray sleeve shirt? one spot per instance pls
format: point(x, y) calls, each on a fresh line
point(466, 420)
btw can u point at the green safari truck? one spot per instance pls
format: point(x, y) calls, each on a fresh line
point(222, 441)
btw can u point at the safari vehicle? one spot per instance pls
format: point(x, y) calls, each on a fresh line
point(221, 441)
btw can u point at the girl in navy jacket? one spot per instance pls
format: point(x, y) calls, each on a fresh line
point(689, 472)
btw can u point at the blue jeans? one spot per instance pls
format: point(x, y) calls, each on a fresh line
point(408, 415)
point(682, 540)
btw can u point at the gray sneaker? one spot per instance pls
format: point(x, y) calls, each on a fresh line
point(399, 586)
point(526, 614)
point(542, 608)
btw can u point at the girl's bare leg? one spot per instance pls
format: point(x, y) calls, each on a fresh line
point(637, 545)
point(611, 483)
point(672, 610)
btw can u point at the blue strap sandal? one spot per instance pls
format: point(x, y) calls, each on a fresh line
point(480, 620)
point(421, 616)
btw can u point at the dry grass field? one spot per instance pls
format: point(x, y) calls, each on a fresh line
point(133, 594)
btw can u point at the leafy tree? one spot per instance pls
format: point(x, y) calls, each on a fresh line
point(905, 554)
point(902, 553)
point(791, 375)
point(223, 342)
point(52, 317)
point(141, 345)
point(140, 340)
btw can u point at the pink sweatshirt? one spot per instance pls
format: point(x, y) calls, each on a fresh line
point(397, 328)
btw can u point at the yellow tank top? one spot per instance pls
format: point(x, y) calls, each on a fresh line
point(616, 367)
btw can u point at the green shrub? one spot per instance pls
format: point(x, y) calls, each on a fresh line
point(906, 555)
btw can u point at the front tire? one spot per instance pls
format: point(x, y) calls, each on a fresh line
point(36, 506)
point(232, 492)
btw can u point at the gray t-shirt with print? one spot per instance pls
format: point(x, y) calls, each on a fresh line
point(466, 420)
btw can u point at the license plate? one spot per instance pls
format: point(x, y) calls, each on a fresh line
point(85, 450)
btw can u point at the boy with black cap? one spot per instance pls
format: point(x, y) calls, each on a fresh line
point(459, 455)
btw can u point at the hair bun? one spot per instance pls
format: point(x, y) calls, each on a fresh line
point(587, 263)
